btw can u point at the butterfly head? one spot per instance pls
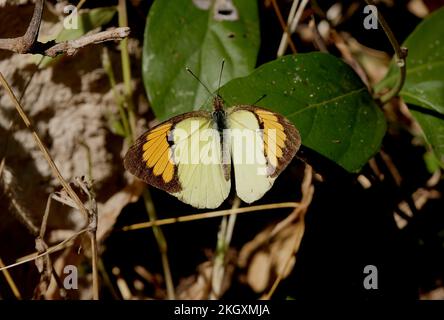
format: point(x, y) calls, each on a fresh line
point(218, 103)
point(219, 114)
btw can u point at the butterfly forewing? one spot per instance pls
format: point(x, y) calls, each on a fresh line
point(183, 156)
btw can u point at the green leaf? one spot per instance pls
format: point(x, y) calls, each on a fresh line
point(117, 128)
point(424, 85)
point(324, 98)
point(432, 163)
point(184, 35)
point(87, 21)
point(433, 128)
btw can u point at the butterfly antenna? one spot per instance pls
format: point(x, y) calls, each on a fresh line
point(195, 77)
point(220, 76)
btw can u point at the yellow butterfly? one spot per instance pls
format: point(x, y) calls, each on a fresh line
point(190, 156)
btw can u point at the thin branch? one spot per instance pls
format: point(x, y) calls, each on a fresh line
point(342, 46)
point(293, 21)
point(89, 215)
point(10, 281)
point(34, 256)
point(213, 214)
point(400, 56)
point(44, 265)
point(126, 70)
point(284, 26)
point(318, 41)
point(6, 273)
point(94, 255)
point(87, 188)
point(70, 47)
point(28, 42)
point(25, 43)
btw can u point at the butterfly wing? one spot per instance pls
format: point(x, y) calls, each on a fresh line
point(262, 145)
point(183, 156)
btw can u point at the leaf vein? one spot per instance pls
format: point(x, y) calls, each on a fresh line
point(320, 104)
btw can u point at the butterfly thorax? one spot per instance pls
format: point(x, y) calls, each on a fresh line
point(218, 103)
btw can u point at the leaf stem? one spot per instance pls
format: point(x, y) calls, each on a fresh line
point(126, 69)
point(400, 56)
point(106, 62)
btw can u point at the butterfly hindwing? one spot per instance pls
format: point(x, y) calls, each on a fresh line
point(257, 164)
point(183, 156)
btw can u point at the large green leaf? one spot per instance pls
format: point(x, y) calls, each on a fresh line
point(424, 84)
point(183, 35)
point(324, 98)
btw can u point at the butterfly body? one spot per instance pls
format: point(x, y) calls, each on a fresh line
point(191, 156)
point(219, 120)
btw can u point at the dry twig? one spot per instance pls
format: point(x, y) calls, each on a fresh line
point(90, 216)
point(284, 26)
point(28, 42)
point(293, 21)
point(6, 273)
point(212, 214)
point(52, 49)
point(62, 245)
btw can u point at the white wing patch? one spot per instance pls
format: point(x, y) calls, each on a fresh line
point(198, 156)
point(249, 161)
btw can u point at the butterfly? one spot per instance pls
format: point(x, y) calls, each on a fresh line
point(191, 156)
